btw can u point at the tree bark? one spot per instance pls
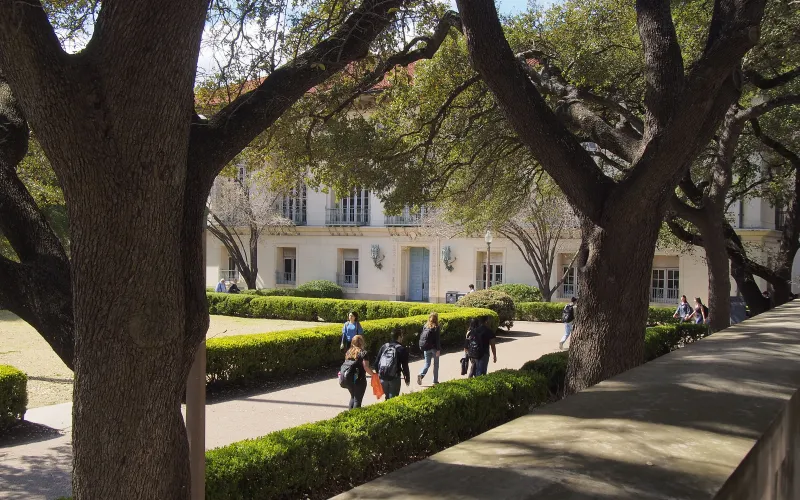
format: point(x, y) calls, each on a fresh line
point(38, 287)
point(613, 280)
point(719, 276)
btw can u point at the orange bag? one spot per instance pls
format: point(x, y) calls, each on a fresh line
point(377, 388)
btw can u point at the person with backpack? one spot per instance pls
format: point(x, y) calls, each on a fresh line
point(473, 347)
point(700, 314)
point(568, 317)
point(349, 330)
point(392, 363)
point(354, 370)
point(430, 343)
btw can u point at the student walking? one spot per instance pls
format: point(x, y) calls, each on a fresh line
point(684, 310)
point(473, 347)
point(430, 342)
point(350, 329)
point(700, 314)
point(391, 363)
point(568, 317)
point(353, 374)
point(488, 336)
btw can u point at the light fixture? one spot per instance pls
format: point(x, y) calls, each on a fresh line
point(446, 259)
point(488, 239)
point(377, 258)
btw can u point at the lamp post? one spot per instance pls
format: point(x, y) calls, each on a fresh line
point(488, 239)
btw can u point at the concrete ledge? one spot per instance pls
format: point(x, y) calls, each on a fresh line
point(717, 419)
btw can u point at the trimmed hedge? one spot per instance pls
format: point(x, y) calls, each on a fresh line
point(247, 358)
point(519, 292)
point(320, 289)
point(658, 340)
point(499, 302)
point(324, 458)
point(551, 311)
point(304, 309)
point(13, 396)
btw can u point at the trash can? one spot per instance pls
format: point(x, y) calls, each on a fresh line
point(451, 297)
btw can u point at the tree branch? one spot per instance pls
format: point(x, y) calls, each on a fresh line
point(767, 106)
point(764, 83)
point(663, 62)
point(528, 114)
point(214, 144)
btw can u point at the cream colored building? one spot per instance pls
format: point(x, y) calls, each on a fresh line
point(374, 256)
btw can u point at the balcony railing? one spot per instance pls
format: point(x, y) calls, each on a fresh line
point(403, 220)
point(347, 280)
point(345, 217)
point(664, 295)
point(282, 278)
point(481, 284)
point(229, 274)
point(298, 218)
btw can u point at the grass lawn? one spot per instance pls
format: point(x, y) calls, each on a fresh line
point(49, 379)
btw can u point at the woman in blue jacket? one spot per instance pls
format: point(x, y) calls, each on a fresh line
point(350, 330)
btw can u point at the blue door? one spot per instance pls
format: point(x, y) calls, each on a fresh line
point(418, 275)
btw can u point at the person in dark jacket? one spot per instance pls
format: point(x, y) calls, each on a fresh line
point(233, 288)
point(391, 363)
point(430, 342)
point(358, 354)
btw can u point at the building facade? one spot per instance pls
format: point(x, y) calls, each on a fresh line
point(371, 255)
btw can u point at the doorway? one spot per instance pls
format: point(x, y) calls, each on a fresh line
point(418, 275)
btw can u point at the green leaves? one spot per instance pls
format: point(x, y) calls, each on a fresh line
point(13, 396)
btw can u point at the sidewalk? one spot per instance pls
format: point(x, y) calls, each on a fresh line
point(41, 470)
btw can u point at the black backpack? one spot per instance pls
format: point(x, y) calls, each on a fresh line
point(348, 373)
point(705, 310)
point(387, 364)
point(474, 347)
point(569, 314)
point(425, 342)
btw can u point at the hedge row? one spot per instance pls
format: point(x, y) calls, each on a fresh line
point(247, 358)
point(317, 288)
point(324, 458)
point(13, 396)
point(658, 340)
point(309, 309)
point(551, 311)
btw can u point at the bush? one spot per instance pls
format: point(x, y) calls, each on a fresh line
point(303, 309)
point(553, 367)
point(519, 292)
point(248, 358)
point(551, 311)
point(499, 302)
point(322, 289)
point(324, 458)
point(13, 396)
point(658, 340)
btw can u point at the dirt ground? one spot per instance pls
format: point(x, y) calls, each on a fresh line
point(49, 379)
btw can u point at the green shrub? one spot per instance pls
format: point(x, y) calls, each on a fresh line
point(331, 456)
point(499, 302)
point(551, 311)
point(658, 340)
point(13, 396)
point(553, 367)
point(248, 358)
point(322, 289)
point(305, 309)
point(519, 292)
point(539, 311)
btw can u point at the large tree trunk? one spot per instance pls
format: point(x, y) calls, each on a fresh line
point(719, 276)
point(134, 348)
point(613, 283)
point(748, 288)
point(252, 273)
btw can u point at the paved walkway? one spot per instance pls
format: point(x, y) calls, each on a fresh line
point(41, 470)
